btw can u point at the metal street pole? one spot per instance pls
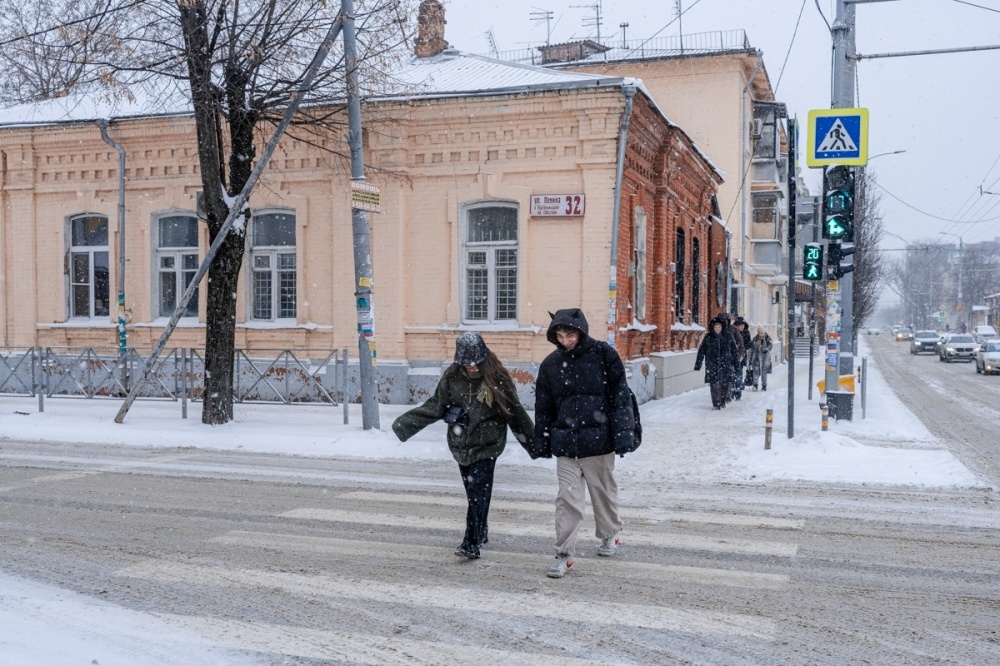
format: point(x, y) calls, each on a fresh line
point(122, 332)
point(843, 98)
point(790, 294)
point(364, 292)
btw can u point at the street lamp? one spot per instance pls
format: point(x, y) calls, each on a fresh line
point(961, 248)
point(894, 152)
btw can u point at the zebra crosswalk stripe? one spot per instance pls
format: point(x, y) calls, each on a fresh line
point(715, 544)
point(458, 598)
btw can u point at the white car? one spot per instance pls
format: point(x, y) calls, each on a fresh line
point(958, 346)
point(988, 357)
point(984, 333)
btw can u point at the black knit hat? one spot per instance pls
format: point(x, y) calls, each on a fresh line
point(470, 349)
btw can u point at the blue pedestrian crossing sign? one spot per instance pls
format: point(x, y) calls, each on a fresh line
point(837, 136)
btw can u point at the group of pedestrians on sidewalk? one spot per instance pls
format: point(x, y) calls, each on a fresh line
point(733, 359)
point(583, 417)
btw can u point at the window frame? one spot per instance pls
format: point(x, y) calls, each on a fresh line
point(273, 253)
point(490, 248)
point(680, 265)
point(72, 250)
point(178, 253)
point(640, 230)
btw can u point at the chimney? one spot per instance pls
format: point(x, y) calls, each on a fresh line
point(430, 30)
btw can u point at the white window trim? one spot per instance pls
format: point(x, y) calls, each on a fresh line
point(273, 251)
point(68, 277)
point(640, 264)
point(154, 309)
point(464, 248)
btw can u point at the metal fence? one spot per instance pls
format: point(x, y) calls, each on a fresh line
point(274, 376)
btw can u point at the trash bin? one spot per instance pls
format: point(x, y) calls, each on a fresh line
point(841, 405)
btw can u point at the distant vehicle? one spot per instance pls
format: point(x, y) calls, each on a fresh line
point(872, 331)
point(983, 333)
point(903, 334)
point(958, 346)
point(924, 341)
point(988, 357)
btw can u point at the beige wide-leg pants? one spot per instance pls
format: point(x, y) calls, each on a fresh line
point(596, 473)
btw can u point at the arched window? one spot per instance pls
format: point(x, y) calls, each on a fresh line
point(695, 279)
point(679, 277)
point(176, 262)
point(273, 284)
point(490, 250)
point(89, 270)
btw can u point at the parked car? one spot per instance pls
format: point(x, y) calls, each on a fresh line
point(958, 346)
point(903, 334)
point(984, 333)
point(872, 331)
point(988, 357)
point(924, 341)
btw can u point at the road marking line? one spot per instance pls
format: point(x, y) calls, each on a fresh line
point(716, 544)
point(607, 566)
point(351, 648)
point(464, 599)
point(649, 515)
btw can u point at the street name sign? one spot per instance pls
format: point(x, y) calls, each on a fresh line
point(837, 136)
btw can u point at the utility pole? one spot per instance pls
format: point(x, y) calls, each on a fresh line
point(843, 98)
point(790, 294)
point(364, 292)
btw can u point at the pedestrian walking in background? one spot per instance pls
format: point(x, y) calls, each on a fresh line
point(717, 352)
point(760, 359)
point(476, 397)
point(731, 331)
point(583, 417)
point(743, 329)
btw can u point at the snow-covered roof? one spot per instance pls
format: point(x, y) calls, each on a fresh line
point(455, 72)
point(452, 73)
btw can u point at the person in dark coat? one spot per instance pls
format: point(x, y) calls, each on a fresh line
point(730, 330)
point(743, 329)
point(760, 359)
point(477, 398)
point(583, 416)
point(717, 352)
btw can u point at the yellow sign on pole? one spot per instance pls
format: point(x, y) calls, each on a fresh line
point(837, 136)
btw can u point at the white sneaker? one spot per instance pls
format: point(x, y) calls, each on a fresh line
point(609, 546)
point(559, 568)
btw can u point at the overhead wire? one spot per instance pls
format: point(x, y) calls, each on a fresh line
point(790, 45)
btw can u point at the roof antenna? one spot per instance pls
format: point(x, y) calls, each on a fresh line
point(597, 21)
point(493, 43)
point(623, 26)
point(540, 15)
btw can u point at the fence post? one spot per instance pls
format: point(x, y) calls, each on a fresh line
point(184, 393)
point(40, 382)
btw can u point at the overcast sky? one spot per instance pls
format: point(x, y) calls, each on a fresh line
point(943, 110)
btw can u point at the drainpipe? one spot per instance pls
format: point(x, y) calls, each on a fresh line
point(122, 335)
point(629, 92)
point(743, 174)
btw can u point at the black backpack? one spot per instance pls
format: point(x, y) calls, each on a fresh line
point(637, 430)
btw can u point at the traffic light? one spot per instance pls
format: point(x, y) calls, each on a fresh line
point(837, 253)
point(812, 261)
point(838, 204)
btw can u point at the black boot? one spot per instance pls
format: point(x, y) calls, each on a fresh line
point(469, 550)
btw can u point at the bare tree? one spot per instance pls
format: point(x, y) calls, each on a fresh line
point(919, 278)
point(240, 62)
point(868, 260)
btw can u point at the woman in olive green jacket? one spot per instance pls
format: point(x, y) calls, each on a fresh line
point(477, 398)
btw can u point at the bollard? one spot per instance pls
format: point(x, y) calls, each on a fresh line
point(826, 416)
point(767, 429)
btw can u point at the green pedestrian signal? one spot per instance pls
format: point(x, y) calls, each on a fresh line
point(838, 203)
point(812, 261)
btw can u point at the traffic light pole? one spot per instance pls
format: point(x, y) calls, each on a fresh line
point(843, 98)
point(790, 296)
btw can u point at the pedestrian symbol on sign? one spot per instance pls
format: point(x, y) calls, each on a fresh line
point(837, 139)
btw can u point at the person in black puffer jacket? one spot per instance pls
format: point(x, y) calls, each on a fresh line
point(583, 416)
point(477, 398)
point(718, 352)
